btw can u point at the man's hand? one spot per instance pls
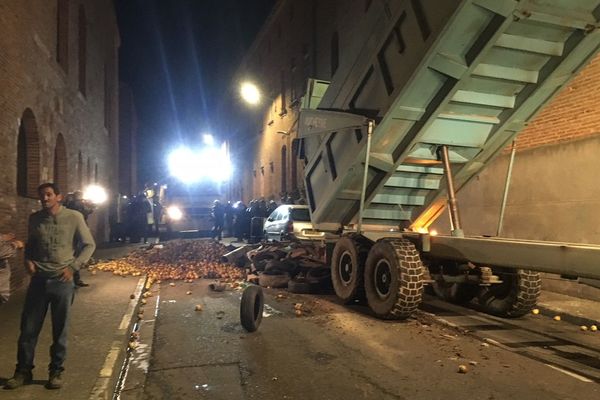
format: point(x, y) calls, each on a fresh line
point(17, 244)
point(67, 275)
point(30, 266)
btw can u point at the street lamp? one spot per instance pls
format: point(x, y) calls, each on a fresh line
point(250, 93)
point(208, 139)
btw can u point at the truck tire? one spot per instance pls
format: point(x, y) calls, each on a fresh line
point(393, 278)
point(514, 297)
point(251, 308)
point(347, 269)
point(456, 293)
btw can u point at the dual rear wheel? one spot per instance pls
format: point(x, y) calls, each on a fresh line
point(389, 274)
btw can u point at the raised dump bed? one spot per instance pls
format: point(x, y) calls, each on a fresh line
point(463, 74)
point(438, 90)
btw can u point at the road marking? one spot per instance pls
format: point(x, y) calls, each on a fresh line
point(111, 359)
point(132, 305)
point(571, 374)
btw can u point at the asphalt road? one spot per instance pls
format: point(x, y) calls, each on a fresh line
point(334, 351)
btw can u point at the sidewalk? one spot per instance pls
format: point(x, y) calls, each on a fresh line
point(97, 338)
point(571, 309)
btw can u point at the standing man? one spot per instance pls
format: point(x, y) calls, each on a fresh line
point(51, 258)
point(218, 214)
point(8, 248)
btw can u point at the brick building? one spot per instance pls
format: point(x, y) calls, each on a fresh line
point(553, 192)
point(59, 96)
point(128, 125)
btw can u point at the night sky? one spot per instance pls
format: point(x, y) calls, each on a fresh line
point(178, 57)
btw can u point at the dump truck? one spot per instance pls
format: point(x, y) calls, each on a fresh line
point(437, 90)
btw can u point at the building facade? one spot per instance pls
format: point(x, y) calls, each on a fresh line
point(552, 196)
point(128, 126)
point(59, 96)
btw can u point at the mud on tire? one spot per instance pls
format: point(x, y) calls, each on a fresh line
point(394, 278)
point(515, 296)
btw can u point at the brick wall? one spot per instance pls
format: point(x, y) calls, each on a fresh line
point(574, 113)
point(31, 78)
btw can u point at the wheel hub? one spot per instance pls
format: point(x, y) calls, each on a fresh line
point(345, 268)
point(383, 278)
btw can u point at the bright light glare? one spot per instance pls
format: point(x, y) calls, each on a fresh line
point(250, 93)
point(96, 194)
point(433, 232)
point(208, 139)
point(193, 166)
point(174, 213)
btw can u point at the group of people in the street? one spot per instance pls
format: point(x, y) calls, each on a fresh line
point(236, 219)
point(59, 244)
point(134, 218)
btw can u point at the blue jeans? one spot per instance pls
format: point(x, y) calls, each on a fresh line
point(44, 292)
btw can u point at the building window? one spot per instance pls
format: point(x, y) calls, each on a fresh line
point(294, 164)
point(79, 171)
point(88, 175)
point(62, 34)
point(60, 163)
point(283, 169)
point(335, 53)
point(283, 93)
point(82, 50)
point(107, 97)
point(28, 156)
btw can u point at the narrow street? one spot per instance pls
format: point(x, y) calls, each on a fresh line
point(329, 351)
point(334, 351)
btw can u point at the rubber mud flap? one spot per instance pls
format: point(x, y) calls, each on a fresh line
point(251, 308)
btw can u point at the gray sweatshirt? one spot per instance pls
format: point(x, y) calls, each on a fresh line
point(58, 241)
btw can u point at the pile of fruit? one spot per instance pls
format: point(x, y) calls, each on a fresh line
point(180, 259)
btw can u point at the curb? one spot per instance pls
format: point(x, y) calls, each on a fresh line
point(570, 318)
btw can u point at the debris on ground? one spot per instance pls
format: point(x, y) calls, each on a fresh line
point(298, 266)
point(462, 369)
point(177, 260)
point(217, 286)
